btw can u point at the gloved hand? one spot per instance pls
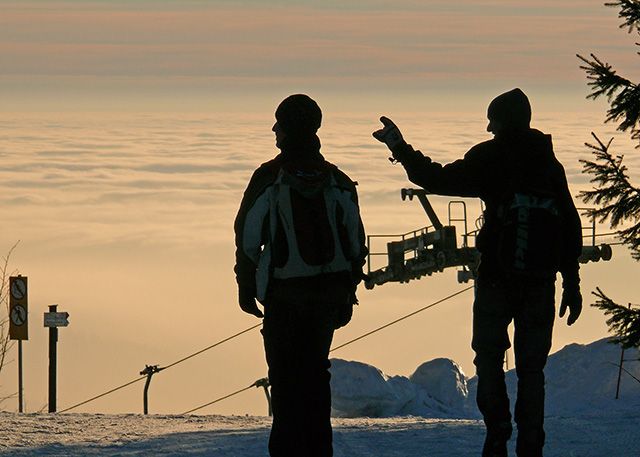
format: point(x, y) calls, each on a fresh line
point(390, 135)
point(247, 300)
point(343, 315)
point(572, 299)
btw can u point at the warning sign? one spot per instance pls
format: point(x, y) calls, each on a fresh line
point(18, 309)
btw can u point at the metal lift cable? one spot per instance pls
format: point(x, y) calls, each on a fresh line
point(164, 368)
point(401, 318)
point(347, 343)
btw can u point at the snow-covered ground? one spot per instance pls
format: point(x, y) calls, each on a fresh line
point(29, 435)
point(584, 420)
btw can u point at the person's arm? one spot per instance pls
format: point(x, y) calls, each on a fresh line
point(249, 228)
point(354, 237)
point(353, 242)
point(571, 250)
point(360, 250)
point(463, 178)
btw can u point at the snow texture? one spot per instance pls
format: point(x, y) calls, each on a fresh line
point(583, 418)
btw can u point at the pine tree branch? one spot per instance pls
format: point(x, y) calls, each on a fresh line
point(629, 11)
point(624, 321)
point(614, 195)
point(622, 94)
point(603, 79)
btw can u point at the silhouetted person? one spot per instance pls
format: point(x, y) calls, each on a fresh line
point(531, 231)
point(300, 251)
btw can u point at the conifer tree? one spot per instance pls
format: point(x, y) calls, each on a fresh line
point(616, 198)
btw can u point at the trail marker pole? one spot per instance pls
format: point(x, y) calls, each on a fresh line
point(53, 320)
point(20, 388)
point(53, 361)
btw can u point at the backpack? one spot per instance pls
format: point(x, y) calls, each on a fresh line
point(529, 225)
point(311, 221)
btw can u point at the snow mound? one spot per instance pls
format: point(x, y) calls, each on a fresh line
point(359, 390)
point(444, 380)
point(435, 390)
point(583, 378)
point(580, 380)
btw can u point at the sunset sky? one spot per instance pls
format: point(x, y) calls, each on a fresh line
point(129, 129)
point(244, 55)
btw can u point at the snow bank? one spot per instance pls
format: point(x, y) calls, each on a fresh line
point(583, 378)
point(580, 379)
point(437, 389)
point(359, 389)
point(444, 380)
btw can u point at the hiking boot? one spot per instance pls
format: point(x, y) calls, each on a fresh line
point(494, 448)
point(530, 442)
point(495, 443)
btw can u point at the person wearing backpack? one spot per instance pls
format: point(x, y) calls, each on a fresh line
point(531, 231)
point(300, 249)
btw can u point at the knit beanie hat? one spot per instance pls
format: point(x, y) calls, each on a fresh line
point(299, 115)
point(512, 109)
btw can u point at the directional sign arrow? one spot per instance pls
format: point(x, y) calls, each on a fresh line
point(56, 319)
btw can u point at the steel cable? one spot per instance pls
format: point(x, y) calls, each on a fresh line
point(163, 368)
point(424, 308)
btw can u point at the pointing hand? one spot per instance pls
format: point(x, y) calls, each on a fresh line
point(390, 134)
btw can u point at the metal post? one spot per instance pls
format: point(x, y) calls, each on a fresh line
point(433, 217)
point(53, 361)
point(149, 370)
point(20, 398)
point(620, 370)
point(619, 374)
point(264, 383)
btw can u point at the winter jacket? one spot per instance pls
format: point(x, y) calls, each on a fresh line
point(261, 247)
point(487, 171)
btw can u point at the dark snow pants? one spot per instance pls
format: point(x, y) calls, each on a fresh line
point(530, 304)
point(297, 338)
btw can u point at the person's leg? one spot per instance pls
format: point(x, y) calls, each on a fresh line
point(491, 317)
point(318, 334)
point(281, 354)
point(532, 343)
point(297, 339)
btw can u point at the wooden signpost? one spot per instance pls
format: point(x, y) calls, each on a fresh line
point(53, 320)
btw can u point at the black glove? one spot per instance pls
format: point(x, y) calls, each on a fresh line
point(343, 315)
point(391, 136)
point(344, 312)
point(247, 300)
point(572, 299)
